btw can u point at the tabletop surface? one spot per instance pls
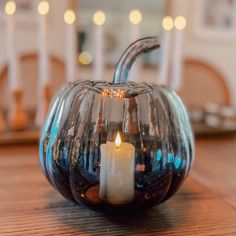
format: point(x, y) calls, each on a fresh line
point(205, 205)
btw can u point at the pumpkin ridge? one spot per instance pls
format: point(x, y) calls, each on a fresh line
point(75, 190)
point(171, 132)
point(182, 141)
point(53, 141)
point(165, 148)
point(185, 130)
point(44, 139)
point(167, 176)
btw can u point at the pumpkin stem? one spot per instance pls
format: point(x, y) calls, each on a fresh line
point(127, 59)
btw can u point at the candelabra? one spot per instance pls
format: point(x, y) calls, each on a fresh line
point(43, 105)
point(18, 118)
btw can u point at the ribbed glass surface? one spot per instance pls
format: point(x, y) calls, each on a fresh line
point(86, 114)
point(157, 149)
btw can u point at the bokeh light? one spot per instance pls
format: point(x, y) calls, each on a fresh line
point(99, 18)
point(85, 58)
point(135, 16)
point(180, 22)
point(10, 7)
point(167, 23)
point(69, 17)
point(43, 8)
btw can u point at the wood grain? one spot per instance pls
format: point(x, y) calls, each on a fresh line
point(215, 166)
point(30, 206)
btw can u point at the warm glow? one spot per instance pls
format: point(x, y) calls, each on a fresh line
point(135, 17)
point(99, 18)
point(43, 8)
point(10, 7)
point(180, 22)
point(113, 93)
point(118, 140)
point(167, 23)
point(69, 17)
point(85, 58)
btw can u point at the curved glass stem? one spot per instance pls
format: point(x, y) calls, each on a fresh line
point(137, 48)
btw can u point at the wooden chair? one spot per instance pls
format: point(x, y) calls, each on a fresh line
point(203, 84)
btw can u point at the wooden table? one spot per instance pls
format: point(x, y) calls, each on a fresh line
point(205, 205)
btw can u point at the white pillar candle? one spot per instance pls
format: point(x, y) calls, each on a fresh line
point(135, 18)
point(167, 25)
point(99, 19)
point(117, 172)
point(70, 41)
point(12, 54)
point(176, 81)
point(44, 61)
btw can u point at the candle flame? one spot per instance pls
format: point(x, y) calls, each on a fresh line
point(118, 140)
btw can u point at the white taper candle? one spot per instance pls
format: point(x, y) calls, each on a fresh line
point(176, 81)
point(44, 61)
point(71, 42)
point(12, 54)
point(167, 25)
point(99, 19)
point(135, 18)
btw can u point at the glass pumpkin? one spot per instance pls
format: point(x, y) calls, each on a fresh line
point(85, 118)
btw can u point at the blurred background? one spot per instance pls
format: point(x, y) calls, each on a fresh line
point(44, 44)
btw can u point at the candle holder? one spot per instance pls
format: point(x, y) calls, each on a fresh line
point(43, 105)
point(18, 118)
point(2, 122)
point(117, 145)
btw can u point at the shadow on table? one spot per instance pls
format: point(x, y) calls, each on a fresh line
point(165, 217)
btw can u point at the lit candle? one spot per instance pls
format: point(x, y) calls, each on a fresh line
point(135, 18)
point(180, 24)
point(167, 24)
point(99, 19)
point(44, 62)
point(70, 20)
point(13, 58)
point(117, 172)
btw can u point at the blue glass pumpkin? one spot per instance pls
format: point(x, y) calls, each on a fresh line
point(77, 154)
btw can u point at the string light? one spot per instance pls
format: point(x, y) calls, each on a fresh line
point(180, 22)
point(99, 18)
point(167, 23)
point(113, 93)
point(43, 8)
point(135, 16)
point(10, 7)
point(85, 58)
point(69, 17)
